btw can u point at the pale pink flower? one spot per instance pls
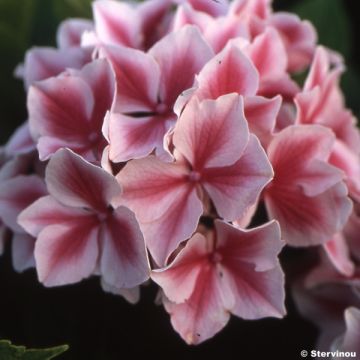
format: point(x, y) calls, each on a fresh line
point(79, 232)
point(307, 195)
point(227, 271)
point(215, 156)
point(148, 85)
point(69, 110)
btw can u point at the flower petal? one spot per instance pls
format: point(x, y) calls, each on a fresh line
point(182, 52)
point(236, 187)
point(16, 194)
point(212, 132)
point(138, 77)
point(227, 72)
point(133, 138)
point(117, 23)
point(77, 183)
point(123, 262)
point(67, 254)
point(48, 211)
point(22, 252)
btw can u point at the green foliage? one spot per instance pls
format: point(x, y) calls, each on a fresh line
point(330, 20)
point(12, 352)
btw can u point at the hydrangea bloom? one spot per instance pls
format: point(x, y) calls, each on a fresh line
point(159, 133)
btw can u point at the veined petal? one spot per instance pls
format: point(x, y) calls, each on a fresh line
point(16, 194)
point(212, 132)
point(182, 52)
point(138, 77)
point(60, 107)
point(77, 183)
point(117, 23)
point(178, 280)
point(228, 72)
point(178, 223)
point(67, 254)
point(133, 138)
point(48, 211)
point(123, 262)
point(236, 187)
point(203, 315)
point(150, 186)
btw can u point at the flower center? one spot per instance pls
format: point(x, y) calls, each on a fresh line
point(194, 176)
point(215, 257)
point(161, 109)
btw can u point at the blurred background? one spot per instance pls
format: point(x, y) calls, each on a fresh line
point(101, 326)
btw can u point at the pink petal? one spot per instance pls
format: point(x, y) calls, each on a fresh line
point(213, 8)
point(299, 156)
point(42, 62)
point(123, 262)
point(53, 105)
point(339, 254)
point(268, 54)
point(70, 31)
point(21, 141)
point(117, 23)
point(229, 71)
point(101, 79)
point(180, 277)
point(319, 69)
point(67, 254)
point(234, 188)
point(77, 183)
point(16, 194)
point(261, 114)
point(164, 201)
point(48, 211)
point(299, 37)
point(219, 32)
point(133, 138)
point(182, 52)
point(154, 15)
point(346, 160)
point(186, 15)
point(212, 132)
point(203, 314)
point(130, 295)
point(251, 268)
point(306, 196)
point(22, 252)
point(307, 221)
point(138, 78)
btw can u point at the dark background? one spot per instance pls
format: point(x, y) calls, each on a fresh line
point(101, 326)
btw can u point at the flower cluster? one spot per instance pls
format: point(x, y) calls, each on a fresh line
point(160, 134)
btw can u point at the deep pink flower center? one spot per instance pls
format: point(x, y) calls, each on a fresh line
point(161, 109)
point(216, 257)
point(194, 176)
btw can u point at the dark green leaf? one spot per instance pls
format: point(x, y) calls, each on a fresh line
point(12, 352)
point(331, 21)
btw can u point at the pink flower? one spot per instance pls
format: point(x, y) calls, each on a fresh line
point(70, 32)
point(215, 157)
point(78, 231)
point(227, 271)
point(307, 195)
point(137, 26)
point(148, 85)
point(68, 111)
point(230, 71)
point(17, 193)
